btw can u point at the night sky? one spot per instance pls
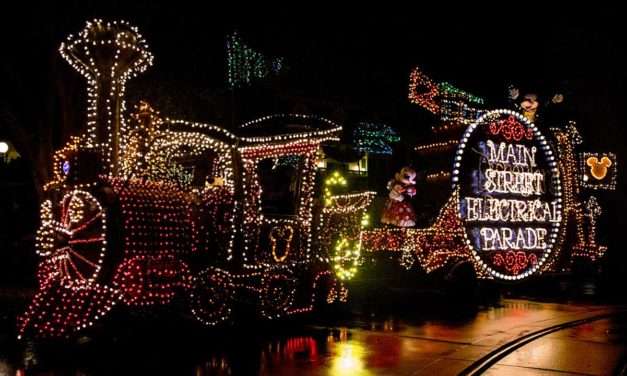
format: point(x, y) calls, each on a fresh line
point(358, 59)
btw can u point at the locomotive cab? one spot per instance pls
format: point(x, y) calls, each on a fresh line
point(278, 160)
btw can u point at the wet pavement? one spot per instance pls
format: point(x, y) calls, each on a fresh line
point(596, 348)
point(355, 344)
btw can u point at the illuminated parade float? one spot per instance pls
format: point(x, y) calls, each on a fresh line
point(146, 211)
point(517, 205)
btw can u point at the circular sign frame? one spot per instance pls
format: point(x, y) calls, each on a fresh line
point(523, 184)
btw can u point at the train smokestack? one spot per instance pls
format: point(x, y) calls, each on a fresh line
point(107, 54)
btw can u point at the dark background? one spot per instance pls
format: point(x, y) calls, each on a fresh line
point(344, 64)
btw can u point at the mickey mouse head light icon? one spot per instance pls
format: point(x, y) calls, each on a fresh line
point(598, 169)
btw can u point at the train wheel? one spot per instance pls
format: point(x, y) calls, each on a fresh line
point(328, 291)
point(210, 296)
point(72, 239)
point(278, 287)
point(129, 279)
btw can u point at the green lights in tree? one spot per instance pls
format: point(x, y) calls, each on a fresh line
point(245, 65)
point(375, 138)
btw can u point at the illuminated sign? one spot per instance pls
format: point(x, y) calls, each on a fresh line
point(509, 194)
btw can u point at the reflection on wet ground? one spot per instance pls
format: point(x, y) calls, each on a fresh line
point(364, 344)
point(596, 348)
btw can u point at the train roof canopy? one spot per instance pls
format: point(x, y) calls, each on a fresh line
point(284, 128)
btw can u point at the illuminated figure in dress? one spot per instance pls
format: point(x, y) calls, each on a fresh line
point(397, 211)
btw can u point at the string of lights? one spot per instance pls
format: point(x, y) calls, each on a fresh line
point(436, 147)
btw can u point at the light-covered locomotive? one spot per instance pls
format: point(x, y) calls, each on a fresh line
point(144, 210)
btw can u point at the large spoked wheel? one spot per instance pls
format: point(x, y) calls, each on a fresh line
point(278, 287)
point(72, 239)
point(210, 296)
